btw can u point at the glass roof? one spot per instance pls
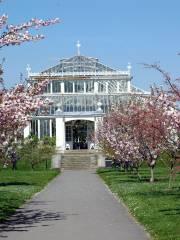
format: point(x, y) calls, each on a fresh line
point(79, 64)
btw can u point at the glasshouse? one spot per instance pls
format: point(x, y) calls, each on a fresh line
point(81, 91)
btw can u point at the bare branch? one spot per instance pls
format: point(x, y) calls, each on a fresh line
point(174, 89)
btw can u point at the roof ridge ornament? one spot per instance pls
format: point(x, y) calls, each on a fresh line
point(129, 67)
point(28, 69)
point(78, 45)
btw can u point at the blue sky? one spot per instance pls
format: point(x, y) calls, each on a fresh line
point(116, 32)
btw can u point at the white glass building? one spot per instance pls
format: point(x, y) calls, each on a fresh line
point(81, 90)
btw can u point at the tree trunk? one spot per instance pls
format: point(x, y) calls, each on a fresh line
point(171, 175)
point(152, 174)
point(32, 166)
point(46, 164)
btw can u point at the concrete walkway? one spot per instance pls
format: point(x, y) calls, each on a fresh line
point(75, 206)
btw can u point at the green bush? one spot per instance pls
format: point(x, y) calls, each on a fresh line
point(35, 154)
point(49, 140)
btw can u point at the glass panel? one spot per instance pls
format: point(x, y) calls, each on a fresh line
point(112, 86)
point(90, 131)
point(44, 128)
point(47, 88)
point(53, 127)
point(68, 104)
point(89, 104)
point(89, 86)
point(79, 86)
point(56, 86)
point(102, 87)
point(68, 85)
point(52, 110)
point(122, 86)
point(68, 133)
point(34, 127)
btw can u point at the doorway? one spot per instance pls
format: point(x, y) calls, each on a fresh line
point(79, 133)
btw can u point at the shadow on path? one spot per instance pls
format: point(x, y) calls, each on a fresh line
point(24, 219)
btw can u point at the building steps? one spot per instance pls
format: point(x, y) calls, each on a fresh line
point(79, 159)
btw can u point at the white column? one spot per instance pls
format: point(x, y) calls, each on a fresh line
point(96, 123)
point(50, 127)
point(84, 87)
point(73, 87)
point(62, 87)
point(96, 87)
point(129, 86)
point(60, 133)
point(51, 88)
point(39, 129)
point(27, 130)
point(107, 85)
point(101, 156)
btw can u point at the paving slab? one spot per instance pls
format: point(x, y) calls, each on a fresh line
point(75, 206)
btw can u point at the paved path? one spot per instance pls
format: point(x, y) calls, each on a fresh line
point(75, 206)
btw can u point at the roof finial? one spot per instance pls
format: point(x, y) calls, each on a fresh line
point(78, 45)
point(129, 67)
point(28, 69)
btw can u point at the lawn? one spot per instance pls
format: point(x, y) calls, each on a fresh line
point(18, 186)
point(153, 204)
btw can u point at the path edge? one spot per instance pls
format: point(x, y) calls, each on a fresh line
point(120, 201)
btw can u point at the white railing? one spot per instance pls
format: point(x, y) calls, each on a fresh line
point(104, 73)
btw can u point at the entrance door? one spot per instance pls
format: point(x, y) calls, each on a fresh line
point(80, 134)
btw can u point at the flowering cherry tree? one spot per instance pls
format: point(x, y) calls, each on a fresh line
point(143, 131)
point(17, 34)
point(172, 90)
point(18, 103)
point(156, 125)
point(115, 136)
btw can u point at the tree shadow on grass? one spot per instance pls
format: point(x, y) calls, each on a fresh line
point(4, 184)
point(25, 218)
point(175, 192)
point(147, 178)
point(126, 176)
point(170, 211)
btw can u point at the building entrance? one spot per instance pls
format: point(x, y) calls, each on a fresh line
point(79, 134)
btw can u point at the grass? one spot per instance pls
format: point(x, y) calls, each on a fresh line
point(32, 174)
point(18, 186)
point(153, 204)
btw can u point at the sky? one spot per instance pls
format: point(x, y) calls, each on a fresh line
point(116, 32)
